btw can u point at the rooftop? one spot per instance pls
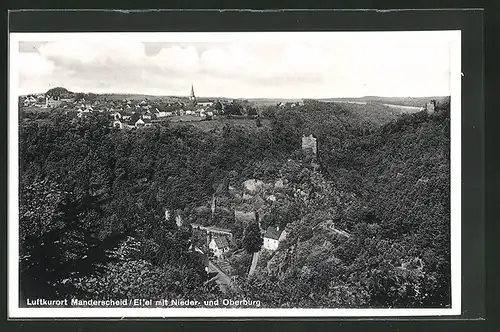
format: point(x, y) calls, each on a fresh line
point(273, 233)
point(221, 242)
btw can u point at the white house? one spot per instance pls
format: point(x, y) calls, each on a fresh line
point(117, 124)
point(139, 123)
point(117, 116)
point(163, 114)
point(206, 103)
point(273, 237)
point(219, 246)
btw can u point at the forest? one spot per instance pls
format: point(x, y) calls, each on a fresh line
point(93, 199)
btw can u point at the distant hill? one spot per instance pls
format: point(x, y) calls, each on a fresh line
point(59, 92)
point(402, 101)
point(273, 101)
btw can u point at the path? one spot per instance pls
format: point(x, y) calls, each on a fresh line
point(255, 259)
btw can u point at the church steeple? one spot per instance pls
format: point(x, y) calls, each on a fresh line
point(192, 97)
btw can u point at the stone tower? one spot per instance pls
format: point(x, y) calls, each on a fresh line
point(431, 105)
point(309, 144)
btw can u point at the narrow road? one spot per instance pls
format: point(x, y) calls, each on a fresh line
point(255, 259)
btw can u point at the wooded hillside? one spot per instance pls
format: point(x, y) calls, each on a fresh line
point(93, 200)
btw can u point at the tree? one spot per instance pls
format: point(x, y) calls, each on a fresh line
point(58, 241)
point(218, 105)
point(79, 96)
point(252, 111)
point(234, 108)
point(252, 240)
point(58, 92)
point(258, 123)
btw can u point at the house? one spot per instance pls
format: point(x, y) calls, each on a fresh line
point(143, 123)
point(205, 104)
point(219, 246)
point(139, 123)
point(117, 116)
point(51, 102)
point(189, 112)
point(273, 237)
point(117, 124)
point(30, 100)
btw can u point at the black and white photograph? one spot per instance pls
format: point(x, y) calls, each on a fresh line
point(234, 174)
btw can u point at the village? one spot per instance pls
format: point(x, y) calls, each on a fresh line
point(128, 113)
point(132, 113)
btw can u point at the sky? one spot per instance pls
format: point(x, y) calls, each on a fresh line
point(238, 65)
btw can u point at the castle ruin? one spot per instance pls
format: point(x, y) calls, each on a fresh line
point(309, 144)
point(431, 105)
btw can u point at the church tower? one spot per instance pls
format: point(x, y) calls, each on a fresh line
point(192, 97)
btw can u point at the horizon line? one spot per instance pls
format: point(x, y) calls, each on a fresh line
point(229, 97)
